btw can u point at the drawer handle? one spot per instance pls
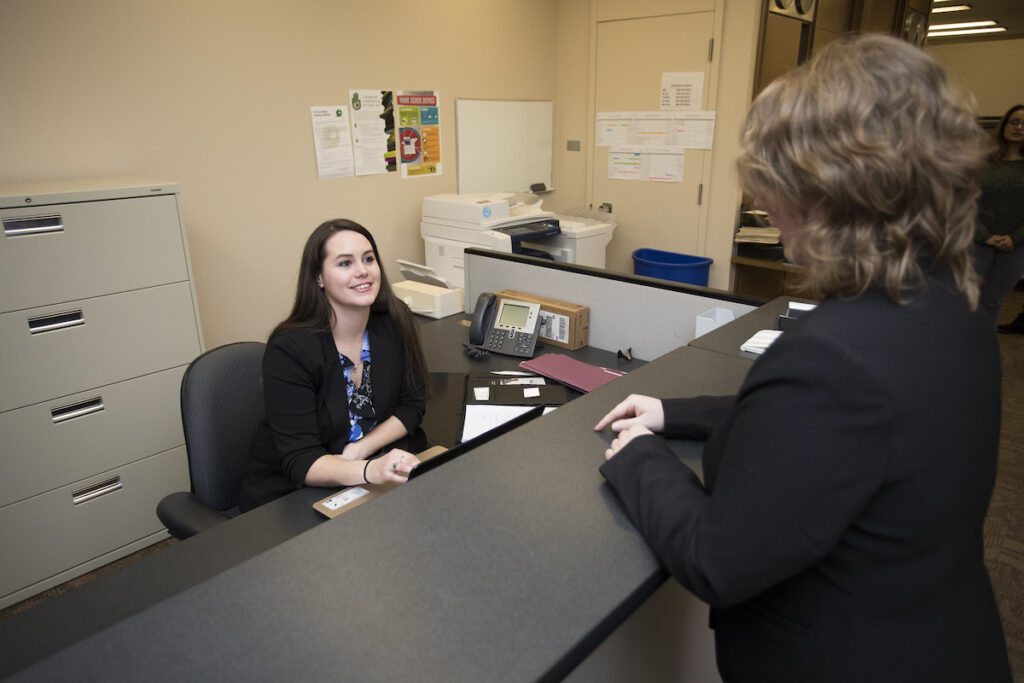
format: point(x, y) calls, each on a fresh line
point(32, 225)
point(57, 321)
point(102, 488)
point(80, 409)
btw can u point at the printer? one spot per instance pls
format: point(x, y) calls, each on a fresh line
point(507, 222)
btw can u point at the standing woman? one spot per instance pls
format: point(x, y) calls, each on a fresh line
point(837, 534)
point(343, 376)
point(1000, 228)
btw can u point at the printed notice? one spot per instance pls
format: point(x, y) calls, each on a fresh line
point(682, 129)
point(663, 165)
point(682, 90)
point(373, 131)
point(332, 142)
point(419, 133)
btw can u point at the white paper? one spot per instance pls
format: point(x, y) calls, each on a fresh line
point(332, 142)
point(532, 392)
point(643, 163)
point(369, 134)
point(483, 418)
point(760, 342)
point(682, 90)
point(482, 393)
point(684, 129)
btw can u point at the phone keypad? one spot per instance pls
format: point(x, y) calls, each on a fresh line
point(502, 340)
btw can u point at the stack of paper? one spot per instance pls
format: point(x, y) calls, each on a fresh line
point(760, 342)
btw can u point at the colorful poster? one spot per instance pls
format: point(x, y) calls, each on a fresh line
point(373, 131)
point(419, 133)
point(332, 142)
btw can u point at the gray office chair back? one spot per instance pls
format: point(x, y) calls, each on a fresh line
point(221, 408)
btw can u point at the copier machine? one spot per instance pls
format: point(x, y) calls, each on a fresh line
point(508, 222)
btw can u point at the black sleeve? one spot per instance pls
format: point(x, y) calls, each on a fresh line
point(804, 447)
point(291, 378)
point(694, 418)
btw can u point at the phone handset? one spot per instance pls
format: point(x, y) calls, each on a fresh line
point(508, 326)
point(481, 314)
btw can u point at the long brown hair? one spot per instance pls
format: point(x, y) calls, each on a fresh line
point(312, 310)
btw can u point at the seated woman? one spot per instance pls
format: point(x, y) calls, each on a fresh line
point(837, 534)
point(343, 376)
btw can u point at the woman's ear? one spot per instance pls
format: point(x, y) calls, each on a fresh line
point(320, 281)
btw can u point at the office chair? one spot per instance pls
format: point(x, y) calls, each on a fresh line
point(221, 408)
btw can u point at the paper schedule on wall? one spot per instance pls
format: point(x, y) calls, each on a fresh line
point(373, 131)
point(682, 90)
point(419, 133)
point(655, 164)
point(682, 129)
point(332, 142)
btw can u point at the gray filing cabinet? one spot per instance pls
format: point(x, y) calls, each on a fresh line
point(98, 322)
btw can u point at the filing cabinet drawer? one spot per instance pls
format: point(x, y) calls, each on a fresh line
point(63, 252)
point(54, 443)
point(52, 532)
point(70, 348)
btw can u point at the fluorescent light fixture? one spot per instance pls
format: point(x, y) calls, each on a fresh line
point(962, 24)
point(965, 32)
point(950, 8)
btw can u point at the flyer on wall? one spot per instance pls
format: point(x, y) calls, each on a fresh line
point(332, 142)
point(419, 133)
point(373, 131)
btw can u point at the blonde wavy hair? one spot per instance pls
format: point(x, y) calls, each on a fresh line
point(878, 157)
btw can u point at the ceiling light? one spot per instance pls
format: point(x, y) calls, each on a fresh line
point(950, 8)
point(962, 24)
point(965, 32)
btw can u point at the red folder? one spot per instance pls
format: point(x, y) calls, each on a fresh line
point(576, 374)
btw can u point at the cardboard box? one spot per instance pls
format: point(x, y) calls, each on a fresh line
point(561, 323)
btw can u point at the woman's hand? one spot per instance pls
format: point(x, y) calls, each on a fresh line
point(1000, 242)
point(624, 437)
point(636, 410)
point(393, 466)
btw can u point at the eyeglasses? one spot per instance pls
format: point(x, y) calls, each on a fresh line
point(1015, 123)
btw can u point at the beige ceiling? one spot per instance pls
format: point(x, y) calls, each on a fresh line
point(1008, 13)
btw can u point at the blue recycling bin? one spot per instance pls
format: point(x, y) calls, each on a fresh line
point(669, 265)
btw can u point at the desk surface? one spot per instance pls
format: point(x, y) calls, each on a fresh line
point(513, 561)
point(728, 338)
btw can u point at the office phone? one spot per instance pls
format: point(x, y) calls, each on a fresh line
point(507, 326)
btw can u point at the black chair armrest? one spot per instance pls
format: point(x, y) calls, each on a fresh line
point(185, 515)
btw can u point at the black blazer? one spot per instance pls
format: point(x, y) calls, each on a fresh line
point(305, 394)
point(838, 536)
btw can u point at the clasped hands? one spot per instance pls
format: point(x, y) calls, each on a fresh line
point(394, 466)
point(635, 416)
point(1000, 242)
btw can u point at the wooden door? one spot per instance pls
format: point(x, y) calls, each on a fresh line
point(631, 56)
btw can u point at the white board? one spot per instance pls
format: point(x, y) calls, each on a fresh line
point(503, 145)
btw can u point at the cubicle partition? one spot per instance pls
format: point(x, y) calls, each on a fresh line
point(649, 315)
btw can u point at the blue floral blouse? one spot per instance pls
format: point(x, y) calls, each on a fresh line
point(361, 415)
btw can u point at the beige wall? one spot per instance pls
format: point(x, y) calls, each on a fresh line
point(215, 95)
point(990, 70)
